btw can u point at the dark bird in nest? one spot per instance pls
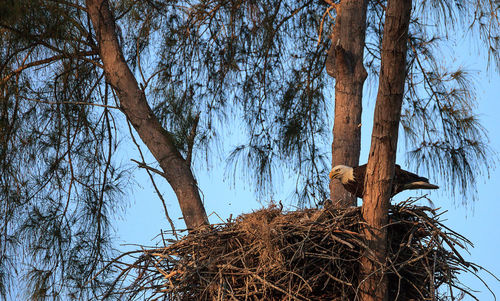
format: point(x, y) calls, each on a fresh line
point(353, 179)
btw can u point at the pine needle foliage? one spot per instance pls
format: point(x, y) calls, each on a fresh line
point(59, 184)
point(442, 130)
point(258, 61)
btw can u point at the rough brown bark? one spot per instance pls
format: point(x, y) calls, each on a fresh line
point(382, 157)
point(135, 106)
point(345, 64)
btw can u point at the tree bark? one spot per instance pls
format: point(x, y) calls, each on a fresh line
point(135, 106)
point(345, 64)
point(382, 157)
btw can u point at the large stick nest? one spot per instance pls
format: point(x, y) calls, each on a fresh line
point(311, 254)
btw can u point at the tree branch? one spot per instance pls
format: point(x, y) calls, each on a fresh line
point(72, 103)
point(147, 167)
point(48, 60)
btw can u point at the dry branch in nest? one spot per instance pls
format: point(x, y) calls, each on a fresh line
point(311, 254)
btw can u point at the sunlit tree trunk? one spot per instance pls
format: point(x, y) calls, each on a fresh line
point(134, 104)
point(382, 156)
point(345, 64)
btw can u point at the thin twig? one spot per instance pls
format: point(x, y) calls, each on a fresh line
point(148, 169)
point(72, 103)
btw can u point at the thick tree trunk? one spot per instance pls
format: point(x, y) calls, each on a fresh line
point(345, 64)
point(135, 106)
point(382, 157)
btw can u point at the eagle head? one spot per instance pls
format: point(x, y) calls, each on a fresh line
point(343, 173)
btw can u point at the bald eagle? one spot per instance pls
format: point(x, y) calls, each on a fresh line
point(353, 179)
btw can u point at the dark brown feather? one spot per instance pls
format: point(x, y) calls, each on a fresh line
point(400, 182)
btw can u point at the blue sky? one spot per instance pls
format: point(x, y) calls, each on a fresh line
point(477, 221)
